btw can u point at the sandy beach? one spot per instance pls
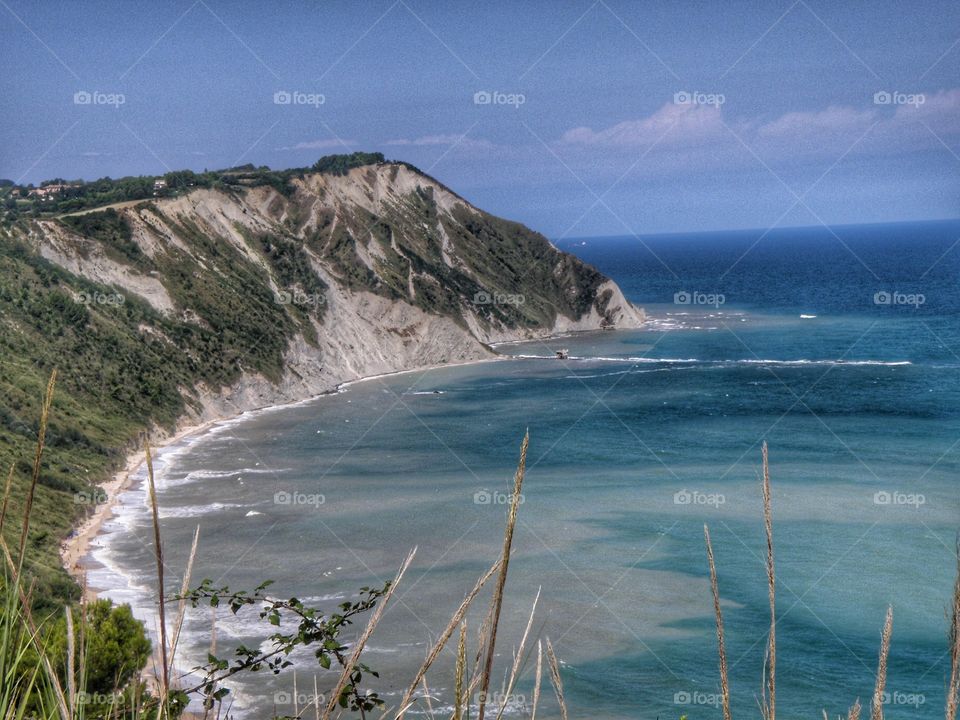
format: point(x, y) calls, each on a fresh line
point(75, 549)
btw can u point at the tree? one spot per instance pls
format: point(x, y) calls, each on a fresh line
point(341, 164)
point(117, 647)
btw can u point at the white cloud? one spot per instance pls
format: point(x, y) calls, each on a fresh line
point(445, 141)
point(835, 120)
point(941, 111)
point(687, 136)
point(324, 144)
point(672, 124)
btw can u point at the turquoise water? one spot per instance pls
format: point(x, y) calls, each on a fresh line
point(637, 440)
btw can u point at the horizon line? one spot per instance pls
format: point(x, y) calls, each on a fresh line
point(759, 229)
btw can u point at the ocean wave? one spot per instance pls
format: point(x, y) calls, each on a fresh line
point(187, 511)
point(881, 363)
point(741, 361)
point(631, 372)
point(171, 479)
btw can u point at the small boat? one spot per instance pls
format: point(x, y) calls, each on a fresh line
point(563, 354)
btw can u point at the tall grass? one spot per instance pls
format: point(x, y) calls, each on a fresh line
point(769, 702)
point(161, 595)
point(30, 686)
point(721, 648)
point(497, 603)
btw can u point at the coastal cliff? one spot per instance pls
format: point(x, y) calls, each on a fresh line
point(378, 270)
point(180, 310)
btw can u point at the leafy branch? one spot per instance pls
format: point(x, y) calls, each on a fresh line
point(312, 628)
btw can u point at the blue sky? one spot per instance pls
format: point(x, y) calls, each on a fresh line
point(605, 118)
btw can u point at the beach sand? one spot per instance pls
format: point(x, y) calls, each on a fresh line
point(74, 550)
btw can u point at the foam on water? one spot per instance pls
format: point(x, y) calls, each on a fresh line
point(698, 361)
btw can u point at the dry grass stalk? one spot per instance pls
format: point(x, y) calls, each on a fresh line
point(362, 641)
point(721, 648)
point(426, 695)
point(296, 698)
point(158, 553)
point(483, 634)
point(536, 681)
point(213, 650)
point(502, 578)
point(770, 702)
point(876, 709)
point(71, 662)
point(954, 638)
point(555, 679)
point(517, 658)
point(461, 671)
point(35, 476)
point(444, 636)
point(182, 607)
point(82, 644)
point(854, 712)
point(6, 496)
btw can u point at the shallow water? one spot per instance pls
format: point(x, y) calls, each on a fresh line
point(637, 440)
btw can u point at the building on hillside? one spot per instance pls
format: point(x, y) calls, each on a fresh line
point(48, 191)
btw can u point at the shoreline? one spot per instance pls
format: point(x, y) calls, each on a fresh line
point(76, 549)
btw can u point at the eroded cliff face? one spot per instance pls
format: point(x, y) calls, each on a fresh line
point(339, 277)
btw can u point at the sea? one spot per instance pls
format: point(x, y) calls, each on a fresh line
point(837, 347)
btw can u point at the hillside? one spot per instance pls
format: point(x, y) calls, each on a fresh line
point(216, 301)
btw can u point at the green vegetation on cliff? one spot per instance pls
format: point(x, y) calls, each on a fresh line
point(55, 197)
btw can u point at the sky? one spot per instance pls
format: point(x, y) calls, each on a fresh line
point(579, 118)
